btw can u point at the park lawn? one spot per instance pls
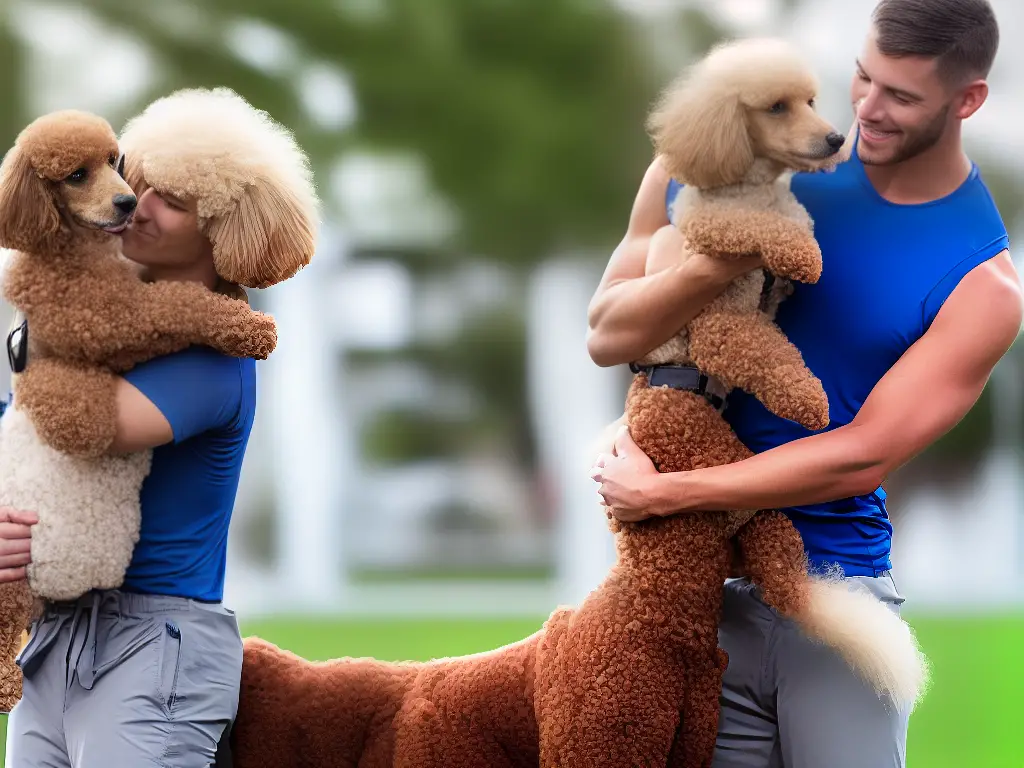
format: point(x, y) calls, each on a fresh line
point(968, 718)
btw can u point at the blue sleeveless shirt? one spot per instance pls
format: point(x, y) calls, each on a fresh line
point(886, 271)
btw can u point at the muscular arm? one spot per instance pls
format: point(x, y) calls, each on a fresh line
point(631, 313)
point(923, 396)
point(140, 424)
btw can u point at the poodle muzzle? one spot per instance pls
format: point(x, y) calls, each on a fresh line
point(686, 378)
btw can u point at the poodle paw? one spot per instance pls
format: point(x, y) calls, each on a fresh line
point(797, 257)
point(810, 407)
point(800, 398)
point(255, 337)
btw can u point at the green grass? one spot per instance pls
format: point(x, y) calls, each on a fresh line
point(968, 718)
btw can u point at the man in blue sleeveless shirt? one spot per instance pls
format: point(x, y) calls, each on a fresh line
point(149, 674)
point(917, 302)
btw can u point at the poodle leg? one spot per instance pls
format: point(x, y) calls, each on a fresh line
point(200, 316)
point(155, 319)
point(612, 690)
point(71, 406)
point(698, 730)
point(773, 554)
point(17, 602)
point(614, 700)
point(787, 248)
point(748, 351)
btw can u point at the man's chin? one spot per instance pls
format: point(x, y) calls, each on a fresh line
point(869, 157)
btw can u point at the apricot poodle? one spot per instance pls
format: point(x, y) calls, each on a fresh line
point(89, 316)
point(632, 676)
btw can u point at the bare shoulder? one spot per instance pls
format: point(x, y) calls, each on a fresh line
point(988, 303)
point(648, 215)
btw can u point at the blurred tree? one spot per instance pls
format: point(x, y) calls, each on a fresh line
point(12, 81)
point(528, 115)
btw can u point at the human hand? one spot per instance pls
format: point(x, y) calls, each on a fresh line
point(626, 477)
point(15, 543)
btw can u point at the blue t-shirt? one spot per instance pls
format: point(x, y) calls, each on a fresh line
point(187, 499)
point(887, 269)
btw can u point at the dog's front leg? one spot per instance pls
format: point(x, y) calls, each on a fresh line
point(786, 248)
point(71, 406)
point(201, 316)
point(161, 318)
point(746, 350)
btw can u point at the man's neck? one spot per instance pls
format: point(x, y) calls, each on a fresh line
point(931, 175)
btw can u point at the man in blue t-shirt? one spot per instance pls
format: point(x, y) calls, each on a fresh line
point(917, 302)
point(149, 674)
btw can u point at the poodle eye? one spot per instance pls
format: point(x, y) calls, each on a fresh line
point(112, 161)
point(77, 177)
point(810, 103)
point(777, 108)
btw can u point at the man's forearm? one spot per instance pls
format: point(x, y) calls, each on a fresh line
point(635, 316)
point(832, 465)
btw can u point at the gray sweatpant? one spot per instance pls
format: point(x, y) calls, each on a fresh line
point(119, 679)
point(790, 703)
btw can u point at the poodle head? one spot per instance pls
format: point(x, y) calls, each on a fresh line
point(746, 100)
point(251, 182)
point(62, 174)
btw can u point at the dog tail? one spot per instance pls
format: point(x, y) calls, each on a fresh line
point(879, 645)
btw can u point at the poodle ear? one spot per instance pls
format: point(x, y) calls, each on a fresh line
point(130, 168)
point(267, 238)
point(701, 134)
point(28, 214)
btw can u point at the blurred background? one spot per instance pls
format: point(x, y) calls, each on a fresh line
point(416, 484)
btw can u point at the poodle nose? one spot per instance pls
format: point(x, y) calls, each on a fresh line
point(835, 140)
point(125, 203)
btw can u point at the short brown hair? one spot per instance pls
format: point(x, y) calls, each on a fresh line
point(961, 34)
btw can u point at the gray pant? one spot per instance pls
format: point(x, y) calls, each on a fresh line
point(787, 701)
point(126, 680)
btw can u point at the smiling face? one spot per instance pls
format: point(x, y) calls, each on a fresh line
point(904, 107)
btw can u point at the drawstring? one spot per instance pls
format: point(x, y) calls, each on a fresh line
point(84, 665)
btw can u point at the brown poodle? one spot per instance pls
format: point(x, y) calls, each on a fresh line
point(88, 316)
point(730, 129)
point(632, 677)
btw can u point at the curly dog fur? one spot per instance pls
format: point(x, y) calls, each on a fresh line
point(731, 129)
point(91, 317)
point(632, 676)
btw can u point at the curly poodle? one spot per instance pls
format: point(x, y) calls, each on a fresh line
point(732, 129)
point(89, 316)
point(632, 676)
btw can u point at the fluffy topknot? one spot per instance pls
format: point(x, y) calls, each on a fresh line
point(251, 181)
